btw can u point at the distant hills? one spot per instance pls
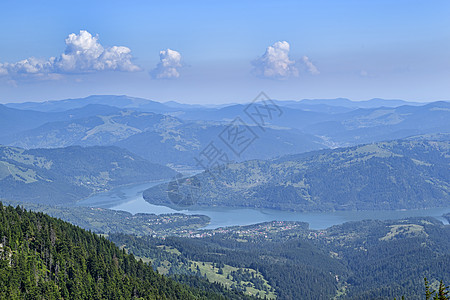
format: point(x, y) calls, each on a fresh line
point(110, 100)
point(350, 126)
point(174, 134)
point(64, 175)
point(344, 102)
point(106, 127)
point(159, 138)
point(13, 120)
point(378, 124)
point(182, 144)
point(123, 101)
point(403, 174)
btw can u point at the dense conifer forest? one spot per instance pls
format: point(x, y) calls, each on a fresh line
point(45, 258)
point(356, 260)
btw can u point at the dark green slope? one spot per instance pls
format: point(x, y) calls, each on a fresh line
point(357, 260)
point(390, 175)
point(293, 267)
point(67, 174)
point(46, 258)
point(386, 259)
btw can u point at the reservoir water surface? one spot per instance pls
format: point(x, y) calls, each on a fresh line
point(129, 198)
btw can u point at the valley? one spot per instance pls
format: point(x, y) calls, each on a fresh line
point(225, 150)
point(329, 201)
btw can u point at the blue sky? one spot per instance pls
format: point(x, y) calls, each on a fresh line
point(225, 51)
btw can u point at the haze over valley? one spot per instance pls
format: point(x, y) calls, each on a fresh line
point(219, 150)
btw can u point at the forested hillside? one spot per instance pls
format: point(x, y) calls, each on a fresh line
point(356, 260)
point(399, 174)
point(46, 258)
point(105, 221)
point(64, 175)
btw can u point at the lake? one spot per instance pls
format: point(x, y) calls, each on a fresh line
point(129, 198)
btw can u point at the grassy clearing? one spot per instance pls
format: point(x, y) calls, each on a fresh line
point(408, 230)
point(170, 249)
point(223, 276)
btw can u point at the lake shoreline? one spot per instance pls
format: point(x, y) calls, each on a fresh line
point(129, 198)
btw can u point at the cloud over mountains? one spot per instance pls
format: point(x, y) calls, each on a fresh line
point(312, 69)
point(168, 67)
point(83, 54)
point(275, 62)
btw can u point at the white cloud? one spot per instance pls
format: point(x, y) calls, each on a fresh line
point(275, 62)
point(310, 66)
point(83, 54)
point(167, 68)
point(3, 70)
point(30, 65)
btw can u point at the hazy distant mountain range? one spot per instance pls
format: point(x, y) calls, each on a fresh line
point(111, 100)
point(159, 138)
point(123, 101)
point(174, 134)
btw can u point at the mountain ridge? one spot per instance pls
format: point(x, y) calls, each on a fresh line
point(65, 175)
point(402, 174)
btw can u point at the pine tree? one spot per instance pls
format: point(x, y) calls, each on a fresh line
point(442, 293)
point(428, 291)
